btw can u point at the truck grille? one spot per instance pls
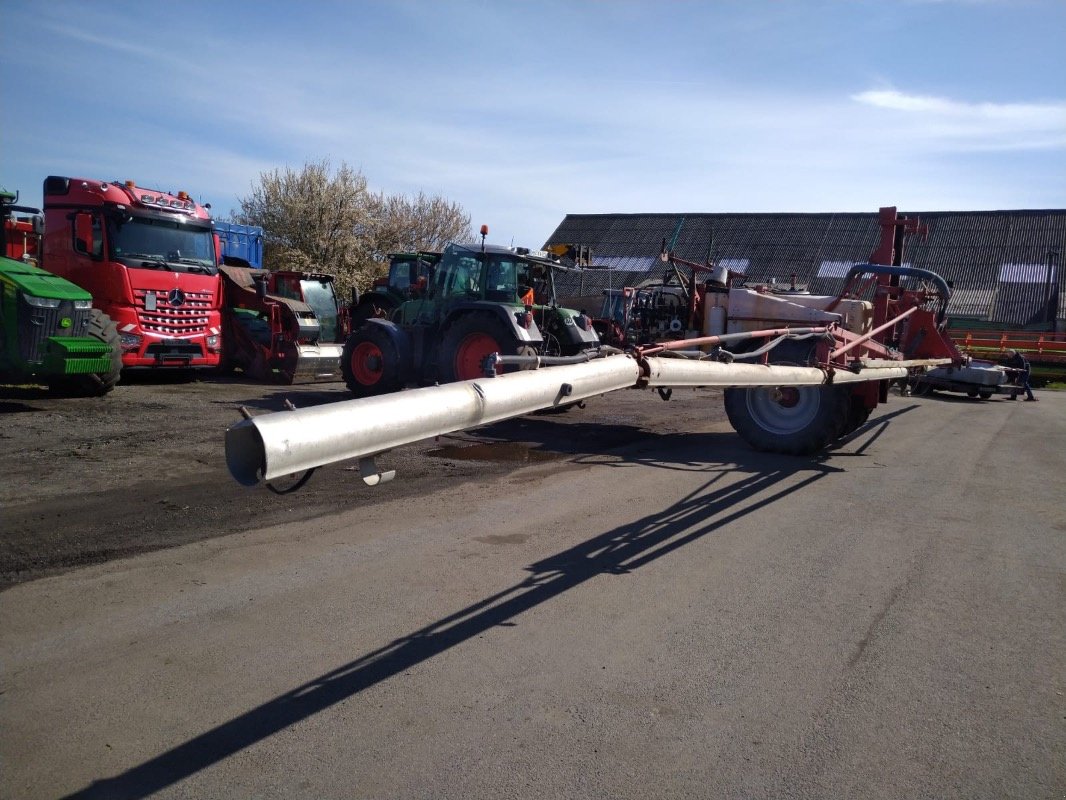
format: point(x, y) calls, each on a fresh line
point(188, 318)
point(37, 325)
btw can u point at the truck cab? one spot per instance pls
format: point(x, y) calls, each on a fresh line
point(150, 260)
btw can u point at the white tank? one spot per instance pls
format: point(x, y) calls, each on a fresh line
point(714, 314)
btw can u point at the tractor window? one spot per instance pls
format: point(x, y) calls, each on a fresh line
point(463, 278)
point(501, 282)
point(320, 296)
point(400, 274)
point(287, 286)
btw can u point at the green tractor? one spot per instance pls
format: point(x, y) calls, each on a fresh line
point(409, 275)
point(50, 334)
point(480, 300)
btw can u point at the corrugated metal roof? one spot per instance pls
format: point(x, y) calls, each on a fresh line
point(997, 261)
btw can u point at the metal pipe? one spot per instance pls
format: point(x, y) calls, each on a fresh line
point(536, 362)
point(677, 373)
point(286, 442)
point(871, 334)
point(702, 341)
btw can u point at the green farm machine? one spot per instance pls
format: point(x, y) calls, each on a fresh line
point(49, 332)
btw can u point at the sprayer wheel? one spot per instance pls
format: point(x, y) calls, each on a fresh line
point(793, 420)
point(857, 415)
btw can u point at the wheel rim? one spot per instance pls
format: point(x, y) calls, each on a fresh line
point(471, 354)
point(786, 409)
point(366, 363)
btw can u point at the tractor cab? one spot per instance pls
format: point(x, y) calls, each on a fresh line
point(503, 275)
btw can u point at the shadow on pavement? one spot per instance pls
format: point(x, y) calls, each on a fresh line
point(764, 480)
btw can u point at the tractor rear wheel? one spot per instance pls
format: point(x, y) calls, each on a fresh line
point(469, 341)
point(372, 363)
point(96, 384)
point(793, 420)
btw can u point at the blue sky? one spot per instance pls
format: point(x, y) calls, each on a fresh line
point(523, 112)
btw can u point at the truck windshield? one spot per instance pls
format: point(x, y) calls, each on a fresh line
point(319, 295)
point(162, 244)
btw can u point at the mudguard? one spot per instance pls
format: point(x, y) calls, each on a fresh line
point(572, 328)
point(508, 314)
point(401, 339)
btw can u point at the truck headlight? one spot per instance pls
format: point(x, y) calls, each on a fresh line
point(129, 341)
point(41, 302)
point(212, 342)
point(83, 305)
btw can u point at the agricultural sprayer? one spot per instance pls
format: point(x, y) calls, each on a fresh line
point(799, 371)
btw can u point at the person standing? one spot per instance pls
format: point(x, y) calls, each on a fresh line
point(1017, 361)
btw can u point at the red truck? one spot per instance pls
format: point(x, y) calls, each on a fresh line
point(149, 259)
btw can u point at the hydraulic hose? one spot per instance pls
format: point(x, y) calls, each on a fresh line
point(913, 272)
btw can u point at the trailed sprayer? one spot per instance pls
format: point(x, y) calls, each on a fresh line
point(799, 370)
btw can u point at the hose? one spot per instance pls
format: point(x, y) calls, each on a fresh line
point(913, 272)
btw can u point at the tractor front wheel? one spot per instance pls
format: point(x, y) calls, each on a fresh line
point(96, 384)
point(372, 363)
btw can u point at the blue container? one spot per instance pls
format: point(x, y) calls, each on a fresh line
point(241, 241)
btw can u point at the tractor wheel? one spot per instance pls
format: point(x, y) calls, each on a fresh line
point(371, 363)
point(371, 308)
point(469, 341)
point(794, 420)
point(100, 383)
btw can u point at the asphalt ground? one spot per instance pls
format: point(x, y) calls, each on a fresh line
point(646, 608)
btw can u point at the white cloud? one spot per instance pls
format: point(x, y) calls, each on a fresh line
point(974, 126)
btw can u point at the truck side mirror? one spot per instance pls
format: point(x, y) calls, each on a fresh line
point(83, 233)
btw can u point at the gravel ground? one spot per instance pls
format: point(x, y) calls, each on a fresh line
point(89, 480)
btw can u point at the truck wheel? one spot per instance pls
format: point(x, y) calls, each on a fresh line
point(96, 384)
point(469, 341)
point(794, 420)
point(371, 363)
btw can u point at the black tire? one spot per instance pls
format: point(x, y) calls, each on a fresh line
point(798, 420)
point(371, 362)
point(921, 388)
point(469, 340)
point(857, 415)
point(985, 394)
point(368, 307)
point(95, 384)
